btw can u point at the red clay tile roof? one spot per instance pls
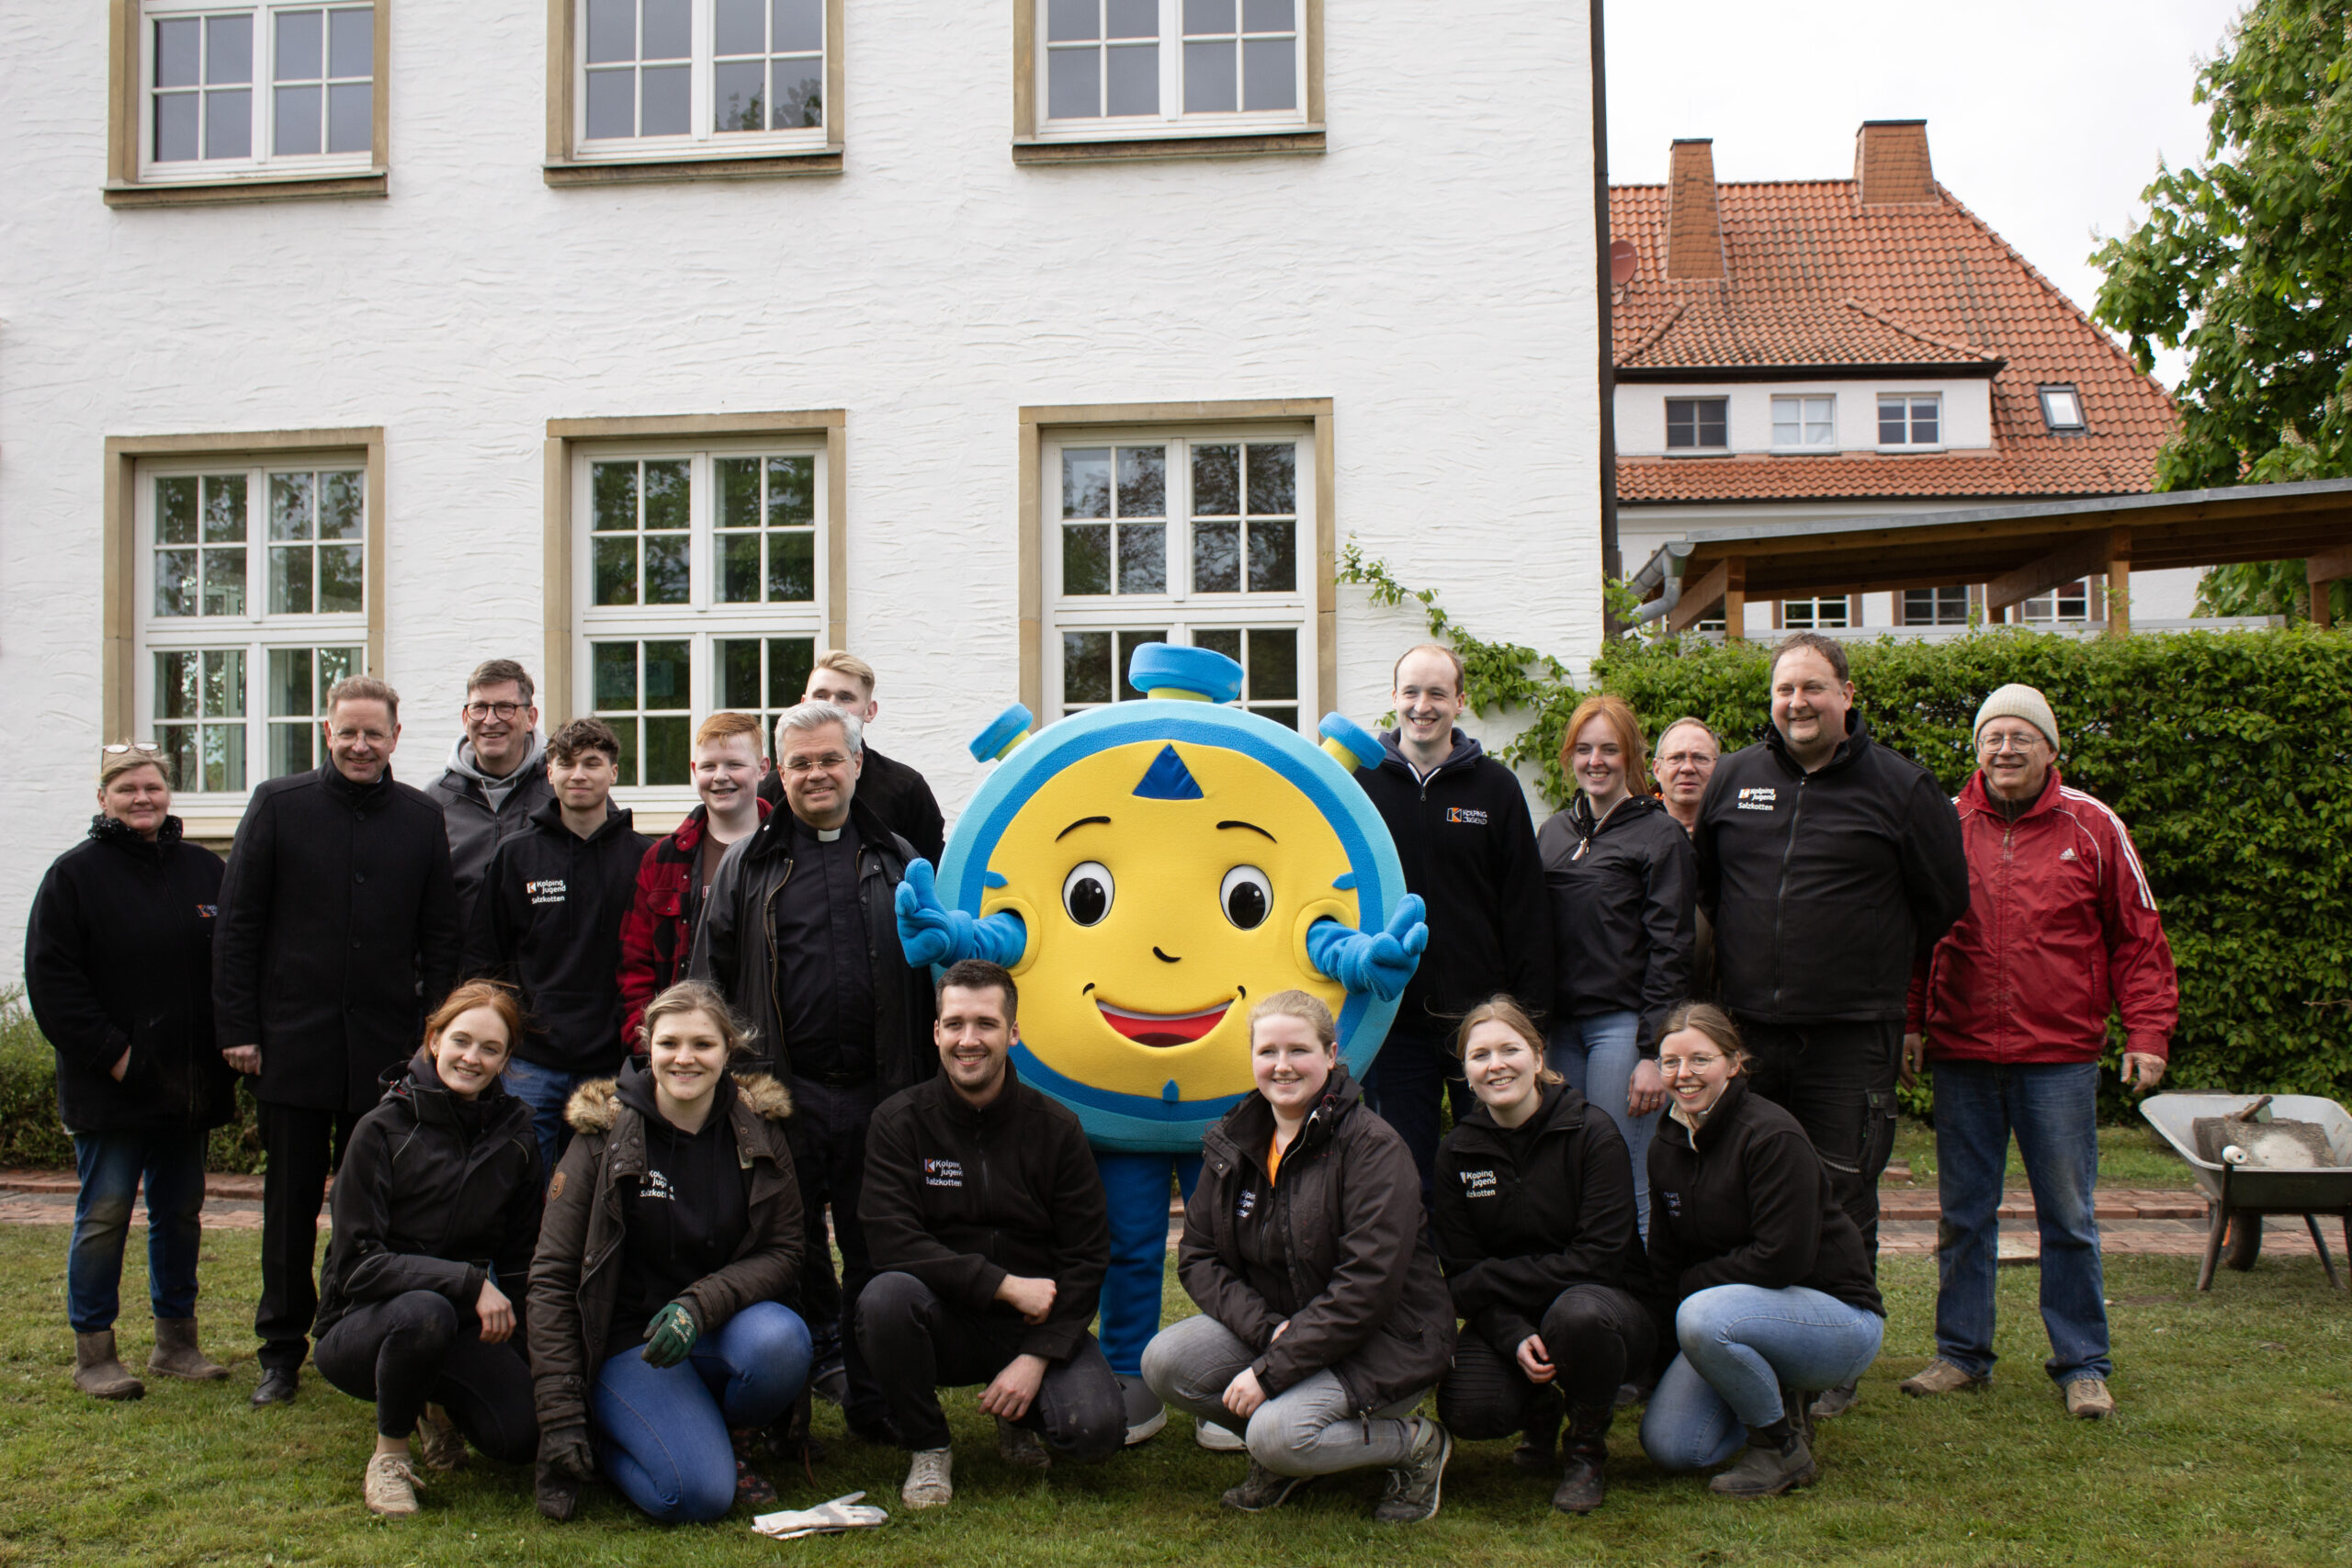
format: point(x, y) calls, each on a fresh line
point(1818, 279)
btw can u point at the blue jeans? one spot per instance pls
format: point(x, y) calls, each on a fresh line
point(1740, 1345)
point(2052, 1108)
point(111, 1165)
point(661, 1432)
point(1596, 1055)
point(1405, 1086)
point(1137, 1186)
point(546, 1092)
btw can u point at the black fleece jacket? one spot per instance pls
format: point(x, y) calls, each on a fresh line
point(1468, 848)
point(548, 921)
point(1826, 886)
point(434, 1194)
point(1624, 911)
point(1521, 1214)
point(686, 1214)
point(118, 958)
point(1747, 1202)
point(961, 1196)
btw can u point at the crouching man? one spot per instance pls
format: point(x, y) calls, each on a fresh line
point(989, 1235)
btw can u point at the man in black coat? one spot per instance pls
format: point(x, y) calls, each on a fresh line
point(338, 930)
point(1462, 827)
point(894, 792)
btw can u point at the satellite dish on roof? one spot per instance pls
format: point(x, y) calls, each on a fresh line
point(1624, 263)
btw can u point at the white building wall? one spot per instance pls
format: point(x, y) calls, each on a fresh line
point(1422, 272)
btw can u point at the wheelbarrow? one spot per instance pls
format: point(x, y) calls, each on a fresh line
point(2238, 1195)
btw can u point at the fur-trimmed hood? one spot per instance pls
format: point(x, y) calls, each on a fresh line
point(594, 1105)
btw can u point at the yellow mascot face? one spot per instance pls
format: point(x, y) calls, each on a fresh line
point(1166, 888)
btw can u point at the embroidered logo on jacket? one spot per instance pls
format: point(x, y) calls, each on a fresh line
point(1248, 1203)
point(547, 890)
point(943, 1173)
point(653, 1184)
point(1758, 797)
point(1469, 816)
point(1673, 1203)
point(1479, 1184)
point(208, 911)
point(2065, 854)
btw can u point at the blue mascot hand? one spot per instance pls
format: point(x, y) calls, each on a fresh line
point(1378, 962)
point(931, 933)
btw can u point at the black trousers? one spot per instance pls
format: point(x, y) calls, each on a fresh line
point(1838, 1080)
point(918, 1344)
point(417, 1348)
point(828, 1126)
point(303, 1147)
point(1596, 1335)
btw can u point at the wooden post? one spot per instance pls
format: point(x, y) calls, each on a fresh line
point(1736, 598)
point(2319, 571)
point(2118, 582)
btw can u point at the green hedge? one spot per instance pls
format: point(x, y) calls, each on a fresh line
point(2228, 755)
point(31, 1134)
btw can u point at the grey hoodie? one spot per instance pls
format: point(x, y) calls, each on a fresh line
point(482, 812)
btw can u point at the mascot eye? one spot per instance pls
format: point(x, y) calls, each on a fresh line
point(1246, 897)
point(1086, 891)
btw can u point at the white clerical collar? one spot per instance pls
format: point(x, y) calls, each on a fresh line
point(827, 835)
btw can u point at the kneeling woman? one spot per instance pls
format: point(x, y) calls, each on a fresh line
point(1534, 1217)
point(1762, 1274)
point(672, 1239)
point(1324, 1319)
point(435, 1210)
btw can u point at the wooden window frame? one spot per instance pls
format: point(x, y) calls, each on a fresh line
point(565, 167)
point(126, 32)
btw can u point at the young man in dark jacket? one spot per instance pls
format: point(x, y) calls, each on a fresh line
point(989, 1234)
point(549, 923)
point(497, 774)
point(1462, 827)
point(894, 792)
point(1829, 865)
point(338, 930)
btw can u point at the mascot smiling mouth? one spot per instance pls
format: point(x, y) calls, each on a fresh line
point(1163, 1027)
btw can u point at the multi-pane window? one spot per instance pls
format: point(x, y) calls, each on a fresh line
point(1697, 423)
point(1828, 613)
point(700, 75)
point(258, 88)
point(1805, 421)
point(1185, 539)
point(1910, 419)
point(2065, 605)
point(699, 576)
point(1157, 64)
point(255, 605)
point(1936, 606)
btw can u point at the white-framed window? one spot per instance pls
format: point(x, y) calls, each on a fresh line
point(251, 604)
point(2069, 604)
point(276, 89)
point(698, 76)
point(2062, 407)
point(1801, 422)
point(1698, 423)
point(1910, 419)
point(697, 571)
point(1194, 537)
point(1936, 606)
point(1170, 67)
point(1831, 612)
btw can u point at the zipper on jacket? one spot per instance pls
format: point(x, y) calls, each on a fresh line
point(1781, 895)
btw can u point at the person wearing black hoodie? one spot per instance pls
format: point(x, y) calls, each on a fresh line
point(549, 923)
point(1754, 1271)
point(338, 918)
point(1535, 1227)
point(1467, 841)
point(435, 1210)
point(119, 970)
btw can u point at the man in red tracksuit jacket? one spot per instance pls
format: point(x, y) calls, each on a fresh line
point(2013, 1005)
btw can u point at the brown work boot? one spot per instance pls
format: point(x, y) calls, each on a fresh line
point(1776, 1461)
point(2087, 1400)
point(96, 1370)
point(1941, 1376)
point(440, 1445)
point(1585, 1482)
point(176, 1355)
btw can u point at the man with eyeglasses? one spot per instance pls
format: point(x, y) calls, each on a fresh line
point(801, 935)
point(2012, 1009)
point(497, 775)
point(900, 797)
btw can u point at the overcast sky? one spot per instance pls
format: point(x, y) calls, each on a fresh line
point(2045, 116)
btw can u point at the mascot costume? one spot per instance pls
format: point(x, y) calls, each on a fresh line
point(1148, 870)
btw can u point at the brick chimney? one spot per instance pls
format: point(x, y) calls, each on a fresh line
point(1695, 234)
point(1891, 162)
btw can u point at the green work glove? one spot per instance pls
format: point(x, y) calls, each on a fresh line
point(669, 1336)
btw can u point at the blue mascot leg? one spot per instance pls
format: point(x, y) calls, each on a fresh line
point(1137, 1187)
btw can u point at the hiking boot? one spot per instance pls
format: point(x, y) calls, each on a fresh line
point(390, 1487)
point(175, 1354)
point(1412, 1494)
point(1775, 1462)
point(439, 1444)
point(2087, 1400)
point(1260, 1489)
point(99, 1373)
point(1832, 1402)
point(1145, 1415)
point(278, 1385)
point(1584, 1484)
point(1539, 1440)
point(1941, 1376)
point(929, 1480)
point(752, 1488)
point(828, 1380)
point(558, 1495)
point(1216, 1438)
point(1020, 1447)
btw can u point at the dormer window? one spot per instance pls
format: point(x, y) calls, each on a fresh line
point(1697, 423)
point(1913, 419)
point(2062, 407)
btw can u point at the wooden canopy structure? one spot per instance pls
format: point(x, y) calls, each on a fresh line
point(2017, 551)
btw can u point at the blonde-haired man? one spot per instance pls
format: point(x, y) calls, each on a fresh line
point(900, 797)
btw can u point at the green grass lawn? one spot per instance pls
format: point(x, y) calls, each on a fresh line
point(2232, 1448)
point(2131, 1155)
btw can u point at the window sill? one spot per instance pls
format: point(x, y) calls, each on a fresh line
point(370, 183)
point(663, 170)
point(1161, 149)
point(1681, 452)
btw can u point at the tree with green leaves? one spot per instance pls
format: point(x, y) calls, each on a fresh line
point(2246, 263)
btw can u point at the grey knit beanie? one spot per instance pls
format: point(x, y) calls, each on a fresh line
point(2015, 701)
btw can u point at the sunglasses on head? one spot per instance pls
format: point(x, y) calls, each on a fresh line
point(144, 748)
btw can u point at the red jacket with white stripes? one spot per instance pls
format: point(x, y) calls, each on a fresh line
point(2061, 930)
